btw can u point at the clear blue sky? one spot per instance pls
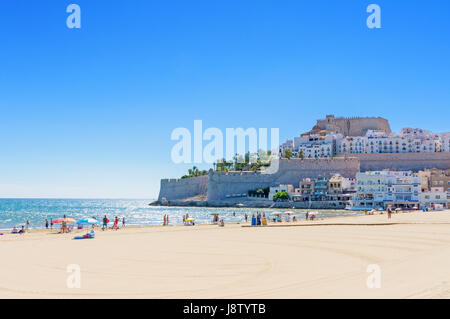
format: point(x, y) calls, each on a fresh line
point(89, 112)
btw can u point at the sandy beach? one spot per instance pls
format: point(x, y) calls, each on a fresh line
point(322, 259)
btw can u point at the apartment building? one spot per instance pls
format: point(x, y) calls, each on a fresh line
point(378, 189)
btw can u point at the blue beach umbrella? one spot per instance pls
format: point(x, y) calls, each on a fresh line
point(90, 221)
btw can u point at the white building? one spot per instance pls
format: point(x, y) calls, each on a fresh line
point(351, 145)
point(409, 140)
point(285, 146)
point(415, 132)
point(434, 197)
point(445, 142)
point(381, 188)
point(316, 151)
point(281, 188)
point(317, 146)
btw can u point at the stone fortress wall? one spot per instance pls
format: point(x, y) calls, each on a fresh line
point(290, 171)
point(172, 189)
point(352, 126)
point(217, 185)
point(403, 161)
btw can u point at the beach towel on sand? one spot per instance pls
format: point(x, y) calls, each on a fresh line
point(90, 235)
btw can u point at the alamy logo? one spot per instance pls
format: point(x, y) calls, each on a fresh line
point(374, 20)
point(374, 279)
point(74, 19)
point(74, 279)
point(190, 149)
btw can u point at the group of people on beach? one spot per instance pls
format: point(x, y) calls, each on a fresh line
point(259, 219)
point(22, 230)
point(47, 224)
point(115, 226)
point(166, 220)
point(65, 228)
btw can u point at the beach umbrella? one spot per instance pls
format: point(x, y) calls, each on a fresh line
point(288, 212)
point(88, 221)
point(62, 220)
point(213, 214)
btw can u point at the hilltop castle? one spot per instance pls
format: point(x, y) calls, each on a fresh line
point(350, 126)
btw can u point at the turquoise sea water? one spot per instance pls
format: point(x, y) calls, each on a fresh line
point(14, 212)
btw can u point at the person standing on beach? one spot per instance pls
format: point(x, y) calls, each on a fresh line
point(105, 223)
point(46, 224)
point(246, 217)
point(51, 223)
point(28, 223)
point(389, 212)
point(116, 223)
point(167, 220)
point(123, 222)
point(307, 215)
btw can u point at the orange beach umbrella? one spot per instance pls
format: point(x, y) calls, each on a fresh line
point(62, 220)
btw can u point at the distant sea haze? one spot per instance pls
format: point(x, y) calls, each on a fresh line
point(15, 212)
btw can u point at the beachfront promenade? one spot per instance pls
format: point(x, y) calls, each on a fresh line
point(329, 260)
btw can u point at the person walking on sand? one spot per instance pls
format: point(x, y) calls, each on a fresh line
point(389, 212)
point(307, 215)
point(46, 224)
point(116, 223)
point(51, 223)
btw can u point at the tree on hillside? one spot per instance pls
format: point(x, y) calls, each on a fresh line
point(194, 172)
point(280, 196)
point(287, 154)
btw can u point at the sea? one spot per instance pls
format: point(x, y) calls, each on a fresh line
point(137, 212)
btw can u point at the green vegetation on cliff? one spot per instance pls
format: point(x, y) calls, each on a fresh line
point(194, 172)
